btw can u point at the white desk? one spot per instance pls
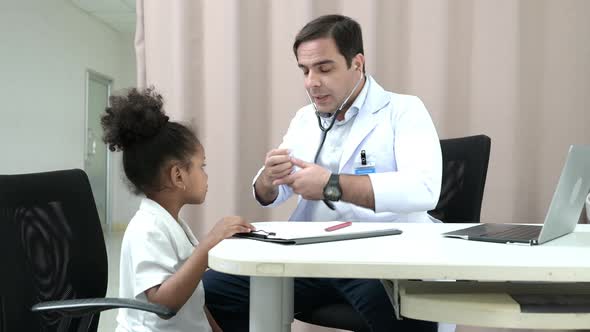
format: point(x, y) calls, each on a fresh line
point(419, 253)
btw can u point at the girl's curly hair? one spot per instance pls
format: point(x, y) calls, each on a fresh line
point(136, 124)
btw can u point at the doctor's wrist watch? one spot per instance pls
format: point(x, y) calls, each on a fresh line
point(332, 190)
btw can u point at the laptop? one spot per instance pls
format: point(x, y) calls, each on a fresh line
point(563, 214)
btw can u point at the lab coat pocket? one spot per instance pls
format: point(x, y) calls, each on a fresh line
point(378, 150)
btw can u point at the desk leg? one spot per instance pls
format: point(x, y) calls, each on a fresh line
point(271, 304)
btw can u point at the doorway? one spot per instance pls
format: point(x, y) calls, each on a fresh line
point(96, 154)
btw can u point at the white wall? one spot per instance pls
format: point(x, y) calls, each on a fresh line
point(46, 46)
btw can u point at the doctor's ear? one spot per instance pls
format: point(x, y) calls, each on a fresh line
point(358, 62)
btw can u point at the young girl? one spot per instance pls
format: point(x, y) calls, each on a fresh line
point(161, 260)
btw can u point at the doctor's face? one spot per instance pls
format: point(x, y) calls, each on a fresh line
point(328, 79)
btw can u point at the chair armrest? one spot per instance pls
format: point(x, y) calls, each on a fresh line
point(81, 307)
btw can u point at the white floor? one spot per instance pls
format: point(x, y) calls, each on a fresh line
point(113, 240)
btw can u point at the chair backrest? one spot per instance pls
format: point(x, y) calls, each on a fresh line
point(54, 246)
point(465, 166)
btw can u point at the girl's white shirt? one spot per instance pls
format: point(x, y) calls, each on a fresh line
point(154, 247)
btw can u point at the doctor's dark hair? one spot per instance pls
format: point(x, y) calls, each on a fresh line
point(136, 124)
point(345, 31)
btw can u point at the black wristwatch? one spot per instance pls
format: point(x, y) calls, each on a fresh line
point(332, 190)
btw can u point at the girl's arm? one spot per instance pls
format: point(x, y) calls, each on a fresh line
point(176, 290)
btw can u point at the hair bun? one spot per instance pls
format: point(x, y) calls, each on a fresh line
point(133, 118)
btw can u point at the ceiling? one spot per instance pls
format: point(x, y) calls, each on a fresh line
point(119, 14)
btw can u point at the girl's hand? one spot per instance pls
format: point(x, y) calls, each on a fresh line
point(226, 228)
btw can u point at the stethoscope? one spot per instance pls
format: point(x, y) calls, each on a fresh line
point(325, 130)
point(322, 117)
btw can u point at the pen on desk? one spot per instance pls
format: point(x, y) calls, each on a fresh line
point(338, 226)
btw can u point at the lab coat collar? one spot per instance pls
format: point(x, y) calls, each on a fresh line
point(377, 98)
point(179, 226)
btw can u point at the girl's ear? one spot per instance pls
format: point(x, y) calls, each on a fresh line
point(176, 177)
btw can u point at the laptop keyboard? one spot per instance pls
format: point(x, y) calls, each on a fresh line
point(517, 232)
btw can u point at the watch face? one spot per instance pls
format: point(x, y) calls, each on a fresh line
point(332, 193)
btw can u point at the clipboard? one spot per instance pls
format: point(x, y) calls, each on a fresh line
point(287, 236)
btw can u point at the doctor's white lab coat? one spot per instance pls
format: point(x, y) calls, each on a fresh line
point(398, 137)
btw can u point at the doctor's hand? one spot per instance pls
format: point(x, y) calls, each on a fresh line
point(309, 182)
point(276, 166)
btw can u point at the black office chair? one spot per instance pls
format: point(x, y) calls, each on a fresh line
point(53, 250)
point(465, 166)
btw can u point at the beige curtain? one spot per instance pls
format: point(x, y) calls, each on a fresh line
point(517, 71)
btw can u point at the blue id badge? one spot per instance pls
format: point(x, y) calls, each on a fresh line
point(365, 169)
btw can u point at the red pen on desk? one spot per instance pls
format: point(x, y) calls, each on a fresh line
point(338, 226)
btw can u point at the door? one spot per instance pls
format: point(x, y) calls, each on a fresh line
point(96, 159)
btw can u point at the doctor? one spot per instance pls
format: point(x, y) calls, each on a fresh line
point(355, 153)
